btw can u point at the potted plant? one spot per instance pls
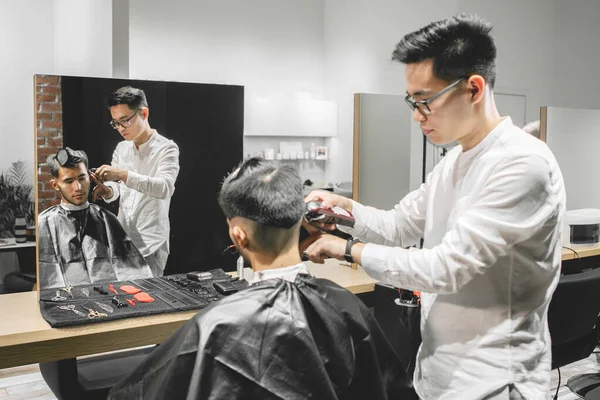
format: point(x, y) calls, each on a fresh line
point(16, 202)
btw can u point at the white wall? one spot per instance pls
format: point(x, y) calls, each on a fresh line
point(360, 36)
point(69, 37)
point(524, 34)
point(576, 54)
point(83, 37)
point(266, 45)
point(27, 48)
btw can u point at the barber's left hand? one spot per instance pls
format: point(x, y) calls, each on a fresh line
point(109, 173)
point(326, 246)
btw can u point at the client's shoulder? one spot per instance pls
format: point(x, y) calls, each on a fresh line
point(47, 213)
point(239, 308)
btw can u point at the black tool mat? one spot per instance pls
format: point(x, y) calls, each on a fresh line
point(97, 303)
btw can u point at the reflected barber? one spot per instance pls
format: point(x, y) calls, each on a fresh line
point(142, 173)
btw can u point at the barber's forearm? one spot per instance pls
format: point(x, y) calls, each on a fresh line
point(160, 187)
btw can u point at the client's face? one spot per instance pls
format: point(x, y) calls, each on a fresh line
point(73, 184)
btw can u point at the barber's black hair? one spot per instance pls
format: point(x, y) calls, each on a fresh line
point(265, 193)
point(134, 98)
point(459, 47)
point(73, 157)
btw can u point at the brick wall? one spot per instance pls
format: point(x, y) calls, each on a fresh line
point(48, 105)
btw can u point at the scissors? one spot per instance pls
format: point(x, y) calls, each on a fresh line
point(68, 290)
point(71, 307)
point(93, 313)
point(58, 297)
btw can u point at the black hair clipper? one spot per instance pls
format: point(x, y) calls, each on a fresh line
point(336, 215)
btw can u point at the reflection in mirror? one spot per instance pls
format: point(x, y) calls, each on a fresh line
point(158, 164)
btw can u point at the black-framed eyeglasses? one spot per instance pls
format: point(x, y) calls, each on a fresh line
point(423, 105)
point(123, 124)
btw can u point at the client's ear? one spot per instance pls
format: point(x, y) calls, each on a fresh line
point(239, 236)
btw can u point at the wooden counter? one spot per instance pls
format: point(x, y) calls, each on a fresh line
point(582, 250)
point(26, 338)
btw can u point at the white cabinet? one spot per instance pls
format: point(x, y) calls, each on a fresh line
point(301, 116)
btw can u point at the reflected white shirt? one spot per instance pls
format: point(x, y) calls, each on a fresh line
point(491, 220)
point(146, 196)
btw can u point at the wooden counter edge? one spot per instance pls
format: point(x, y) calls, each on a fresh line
point(30, 351)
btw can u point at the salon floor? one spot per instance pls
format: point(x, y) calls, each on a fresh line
point(25, 383)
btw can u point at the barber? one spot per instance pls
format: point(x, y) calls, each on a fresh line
point(142, 175)
point(490, 214)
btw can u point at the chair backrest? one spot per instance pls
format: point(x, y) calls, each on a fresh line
point(573, 316)
point(400, 324)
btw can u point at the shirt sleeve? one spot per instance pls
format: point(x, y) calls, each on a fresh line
point(517, 200)
point(402, 226)
point(162, 185)
point(114, 185)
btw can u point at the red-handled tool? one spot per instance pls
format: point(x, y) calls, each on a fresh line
point(112, 289)
point(143, 297)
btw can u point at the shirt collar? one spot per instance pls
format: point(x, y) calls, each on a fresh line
point(286, 273)
point(144, 148)
point(487, 141)
point(73, 207)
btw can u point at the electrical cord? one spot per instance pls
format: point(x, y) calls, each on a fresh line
point(573, 250)
point(557, 387)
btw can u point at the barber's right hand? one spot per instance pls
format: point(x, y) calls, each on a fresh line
point(101, 190)
point(329, 200)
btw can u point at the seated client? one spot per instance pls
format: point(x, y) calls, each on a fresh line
point(289, 335)
point(79, 242)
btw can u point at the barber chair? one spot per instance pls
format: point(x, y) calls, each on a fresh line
point(90, 378)
point(398, 313)
point(16, 282)
point(574, 323)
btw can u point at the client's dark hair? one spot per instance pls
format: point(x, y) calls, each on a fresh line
point(134, 98)
point(267, 194)
point(459, 47)
point(73, 158)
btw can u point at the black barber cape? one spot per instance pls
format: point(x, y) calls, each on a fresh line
point(78, 247)
point(310, 339)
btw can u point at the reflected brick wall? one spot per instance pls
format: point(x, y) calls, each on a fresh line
point(48, 108)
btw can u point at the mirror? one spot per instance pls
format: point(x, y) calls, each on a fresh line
point(204, 120)
point(576, 158)
point(377, 121)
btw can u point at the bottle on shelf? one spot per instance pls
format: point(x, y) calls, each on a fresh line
point(313, 151)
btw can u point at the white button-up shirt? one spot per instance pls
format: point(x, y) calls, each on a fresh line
point(491, 220)
point(146, 196)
